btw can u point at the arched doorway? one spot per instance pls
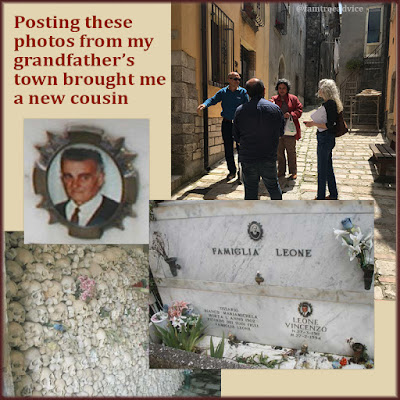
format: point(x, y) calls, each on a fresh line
point(281, 68)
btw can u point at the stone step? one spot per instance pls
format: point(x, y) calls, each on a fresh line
point(176, 181)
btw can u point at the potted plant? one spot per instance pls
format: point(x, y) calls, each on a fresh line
point(184, 327)
point(354, 64)
point(160, 319)
point(359, 352)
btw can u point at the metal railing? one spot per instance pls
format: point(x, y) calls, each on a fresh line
point(222, 57)
point(356, 73)
point(281, 18)
point(255, 12)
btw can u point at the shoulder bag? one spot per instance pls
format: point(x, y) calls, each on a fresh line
point(341, 126)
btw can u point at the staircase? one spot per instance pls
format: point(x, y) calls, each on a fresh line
point(367, 78)
point(350, 87)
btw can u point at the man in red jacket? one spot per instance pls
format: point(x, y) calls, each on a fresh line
point(291, 107)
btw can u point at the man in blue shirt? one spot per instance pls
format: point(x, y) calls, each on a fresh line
point(257, 127)
point(231, 97)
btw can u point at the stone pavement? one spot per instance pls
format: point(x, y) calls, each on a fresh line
point(355, 180)
point(203, 383)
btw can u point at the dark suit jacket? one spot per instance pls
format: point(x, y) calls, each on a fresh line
point(103, 213)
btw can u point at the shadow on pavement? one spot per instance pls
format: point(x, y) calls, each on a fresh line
point(211, 192)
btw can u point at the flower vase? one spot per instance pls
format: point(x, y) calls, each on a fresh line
point(154, 338)
point(173, 265)
point(160, 319)
point(368, 276)
point(358, 349)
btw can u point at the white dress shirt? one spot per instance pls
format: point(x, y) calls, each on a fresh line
point(86, 210)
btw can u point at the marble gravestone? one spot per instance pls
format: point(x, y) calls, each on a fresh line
point(268, 272)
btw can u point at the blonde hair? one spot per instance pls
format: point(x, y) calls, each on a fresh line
point(330, 91)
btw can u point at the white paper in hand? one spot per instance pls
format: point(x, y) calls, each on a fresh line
point(320, 117)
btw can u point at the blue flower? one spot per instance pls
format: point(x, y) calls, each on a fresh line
point(165, 308)
point(347, 224)
point(336, 365)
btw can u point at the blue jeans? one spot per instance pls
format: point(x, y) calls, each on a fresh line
point(326, 143)
point(251, 177)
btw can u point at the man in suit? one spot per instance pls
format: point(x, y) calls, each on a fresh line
point(82, 174)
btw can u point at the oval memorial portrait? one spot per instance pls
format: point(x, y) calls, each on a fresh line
point(87, 180)
point(84, 185)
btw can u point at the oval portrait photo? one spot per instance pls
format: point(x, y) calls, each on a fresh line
point(84, 185)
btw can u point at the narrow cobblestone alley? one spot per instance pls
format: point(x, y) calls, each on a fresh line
point(355, 176)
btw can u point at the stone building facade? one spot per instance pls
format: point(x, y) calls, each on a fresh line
point(322, 27)
point(363, 58)
point(287, 46)
point(391, 79)
point(187, 130)
point(208, 41)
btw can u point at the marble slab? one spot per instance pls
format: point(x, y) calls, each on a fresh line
point(220, 246)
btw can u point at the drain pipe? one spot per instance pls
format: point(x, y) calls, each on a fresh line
point(204, 70)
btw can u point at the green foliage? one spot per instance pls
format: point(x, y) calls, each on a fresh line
point(218, 352)
point(262, 360)
point(354, 64)
point(365, 355)
point(152, 206)
point(185, 338)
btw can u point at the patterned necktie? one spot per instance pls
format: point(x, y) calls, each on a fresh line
point(75, 216)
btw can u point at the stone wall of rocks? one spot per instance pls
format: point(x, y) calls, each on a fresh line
point(187, 133)
point(62, 344)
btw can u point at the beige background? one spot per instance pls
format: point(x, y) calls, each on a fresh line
point(149, 20)
point(154, 103)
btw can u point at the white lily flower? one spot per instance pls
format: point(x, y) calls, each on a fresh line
point(354, 251)
point(368, 240)
point(177, 322)
point(346, 241)
point(357, 244)
point(340, 233)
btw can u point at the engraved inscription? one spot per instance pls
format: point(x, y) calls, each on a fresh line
point(235, 251)
point(293, 252)
point(232, 318)
point(305, 328)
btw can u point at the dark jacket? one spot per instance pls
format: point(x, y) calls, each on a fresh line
point(331, 115)
point(103, 213)
point(257, 127)
point(295, 109)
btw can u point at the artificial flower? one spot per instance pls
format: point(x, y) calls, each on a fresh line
point(347, 224)
point(369, 364)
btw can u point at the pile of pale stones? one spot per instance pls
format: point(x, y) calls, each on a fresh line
point(63, 346)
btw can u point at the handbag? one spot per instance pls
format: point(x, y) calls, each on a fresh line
point(341, 126)
point(290, 127)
